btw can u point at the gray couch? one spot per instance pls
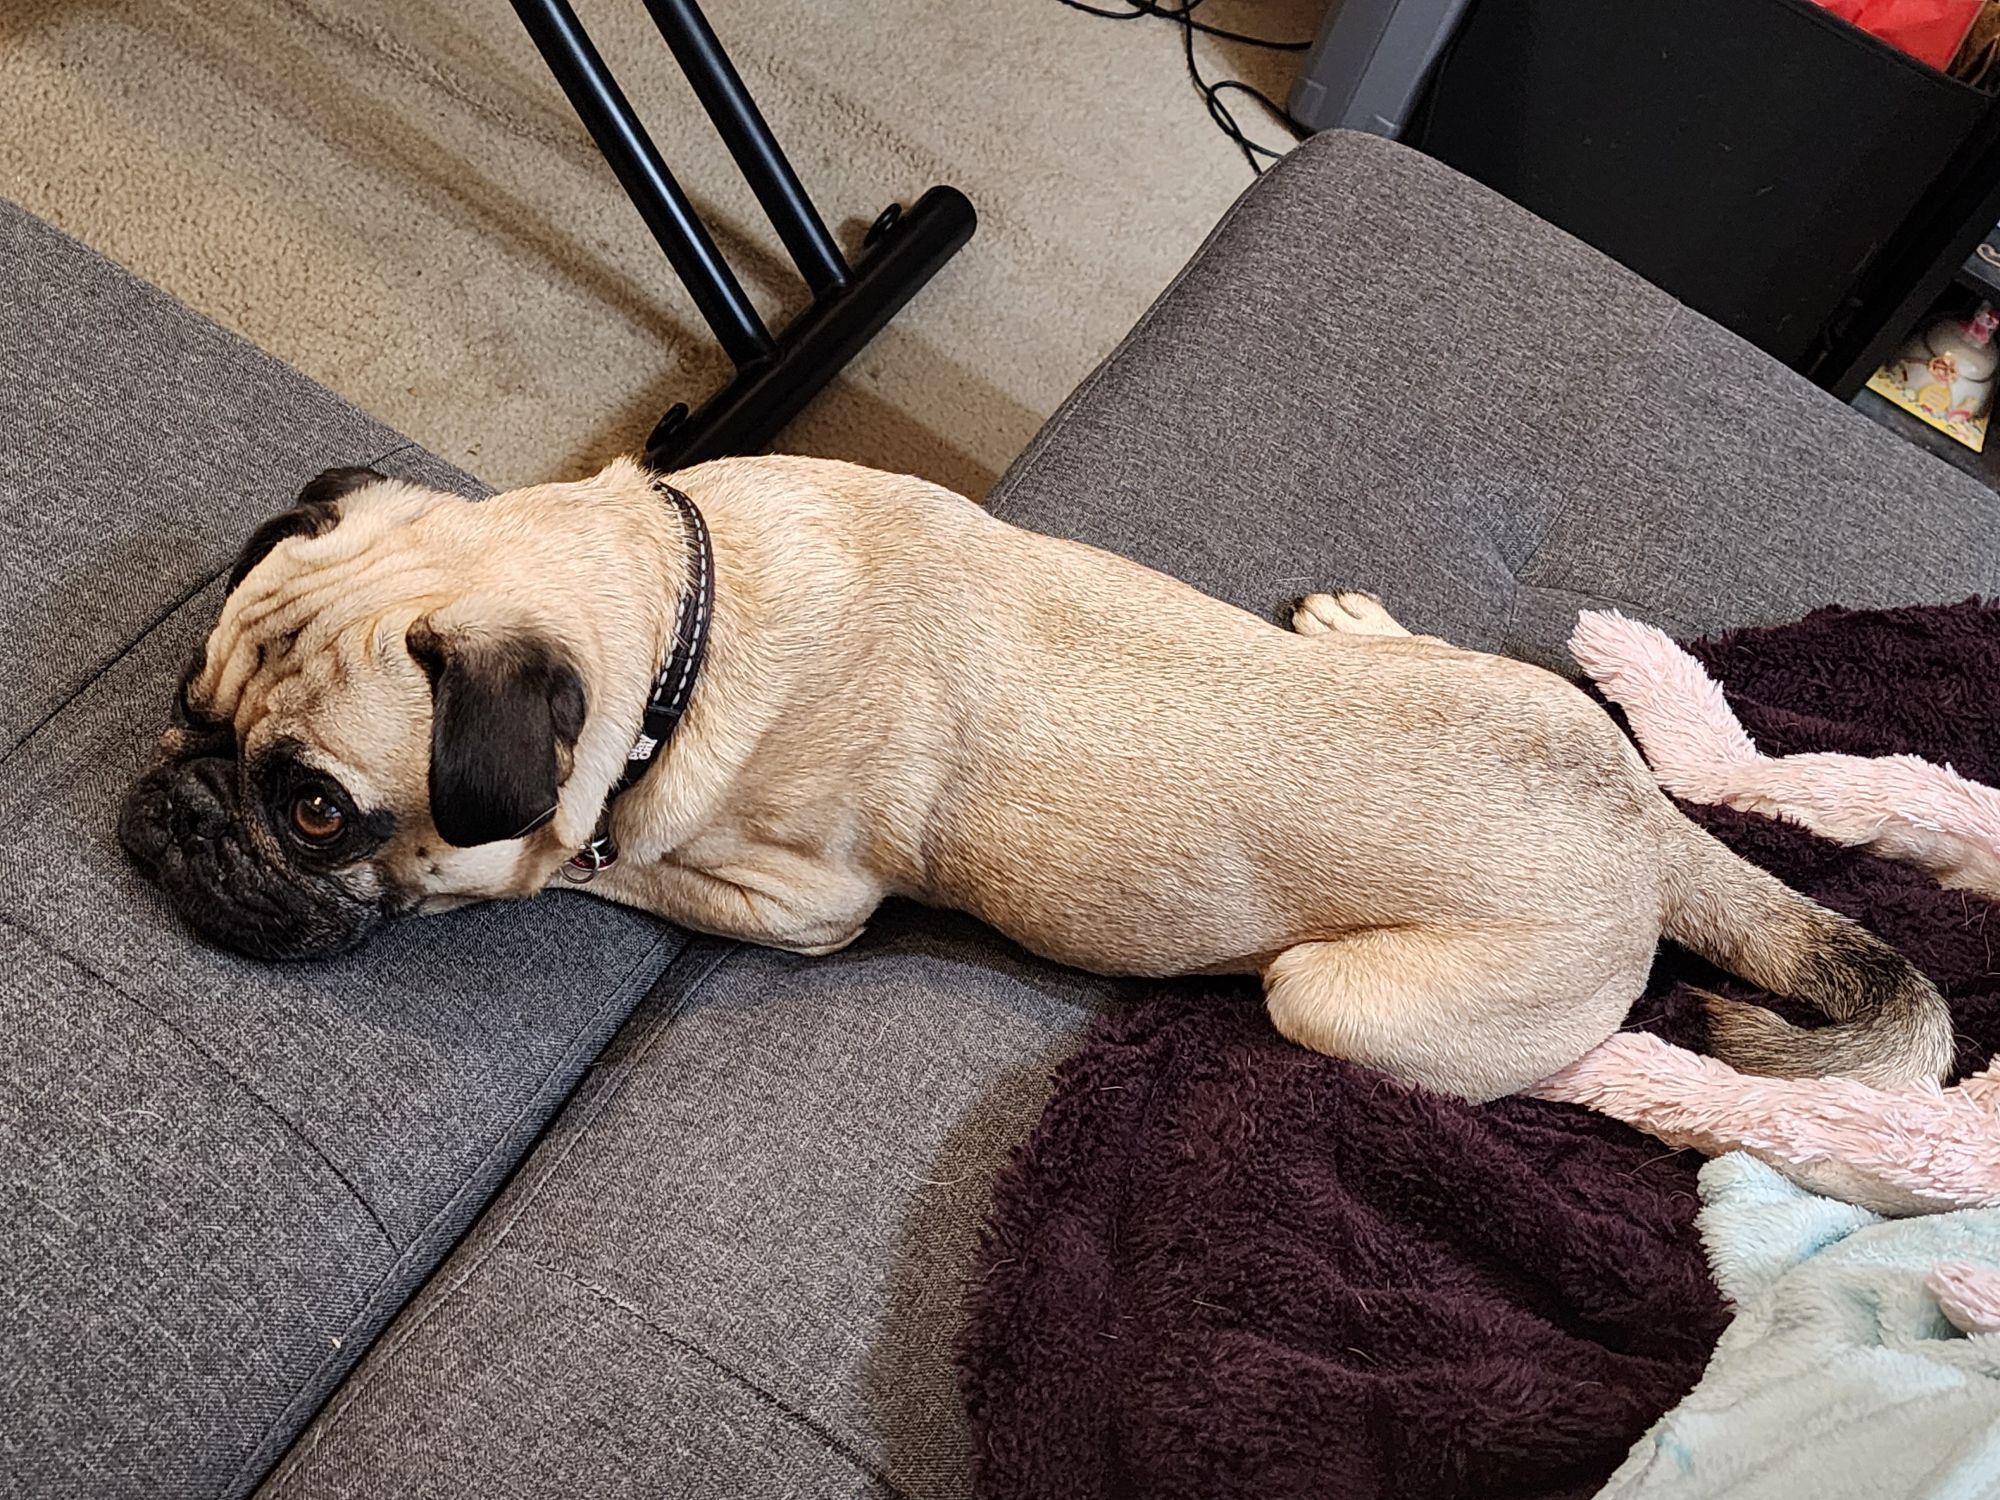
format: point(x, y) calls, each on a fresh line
point(553, 1200)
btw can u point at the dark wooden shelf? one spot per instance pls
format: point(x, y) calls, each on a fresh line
point(1981, 271)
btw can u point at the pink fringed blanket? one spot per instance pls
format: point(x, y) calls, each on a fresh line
point(1896, 806)
point(1904, 1153)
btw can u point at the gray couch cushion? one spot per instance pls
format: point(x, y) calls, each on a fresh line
point(220, 1179)
point(734, 1265)
point(1799, 503)
point(1378, 375)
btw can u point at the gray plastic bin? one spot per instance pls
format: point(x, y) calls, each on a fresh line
point(1370, 62)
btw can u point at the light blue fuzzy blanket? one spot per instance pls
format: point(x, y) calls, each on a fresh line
point(1840, 1378)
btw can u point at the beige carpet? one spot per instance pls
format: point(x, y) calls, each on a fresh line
point(394, 196)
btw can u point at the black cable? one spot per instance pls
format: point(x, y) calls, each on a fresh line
point(1183, 16)
point(1211, 93)
point(1144, 8)
point(1219, 112)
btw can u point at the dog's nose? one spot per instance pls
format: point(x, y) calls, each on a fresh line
point(199, 801)
point(176, 806)
point(186, 822)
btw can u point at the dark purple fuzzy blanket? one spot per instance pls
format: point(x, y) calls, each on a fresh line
point(1223, 1266)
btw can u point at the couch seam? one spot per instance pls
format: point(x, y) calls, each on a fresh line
point(615, 999)
point(221, 1069)
point(356, 1385)
point(770, 1398)
point(1566, 506)
point(165, 614)
point(1596, 600)
point(173, 608)
point(389, 453)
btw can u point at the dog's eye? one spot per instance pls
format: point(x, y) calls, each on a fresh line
point(317, 817)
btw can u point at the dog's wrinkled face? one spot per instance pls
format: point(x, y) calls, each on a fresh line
point(368, 731)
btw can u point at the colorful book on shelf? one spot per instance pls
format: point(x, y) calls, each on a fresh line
point(1944, 376)
point(1969, 431)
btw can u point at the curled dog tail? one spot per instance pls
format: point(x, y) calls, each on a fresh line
point(1891, 1026)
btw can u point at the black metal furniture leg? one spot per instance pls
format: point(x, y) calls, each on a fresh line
point(745, 415)
point(742, 128)
point(775, 377)
point(596, 97)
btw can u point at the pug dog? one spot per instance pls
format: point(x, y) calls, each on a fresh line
point(1446, 865)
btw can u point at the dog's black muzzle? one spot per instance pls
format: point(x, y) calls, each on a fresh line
point(185, 825)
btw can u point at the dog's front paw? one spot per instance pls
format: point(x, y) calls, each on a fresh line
point(1344, 614)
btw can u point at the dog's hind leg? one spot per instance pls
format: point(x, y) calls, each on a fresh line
point(1473, 1013)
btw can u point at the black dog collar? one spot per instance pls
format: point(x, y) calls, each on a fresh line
point(673, 688)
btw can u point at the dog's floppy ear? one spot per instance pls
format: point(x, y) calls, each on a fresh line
point(506, 709)
point(316, 511)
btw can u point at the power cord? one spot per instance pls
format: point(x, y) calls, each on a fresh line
point(1183, 16)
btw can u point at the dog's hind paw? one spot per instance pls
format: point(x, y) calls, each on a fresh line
point(1351, 613)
